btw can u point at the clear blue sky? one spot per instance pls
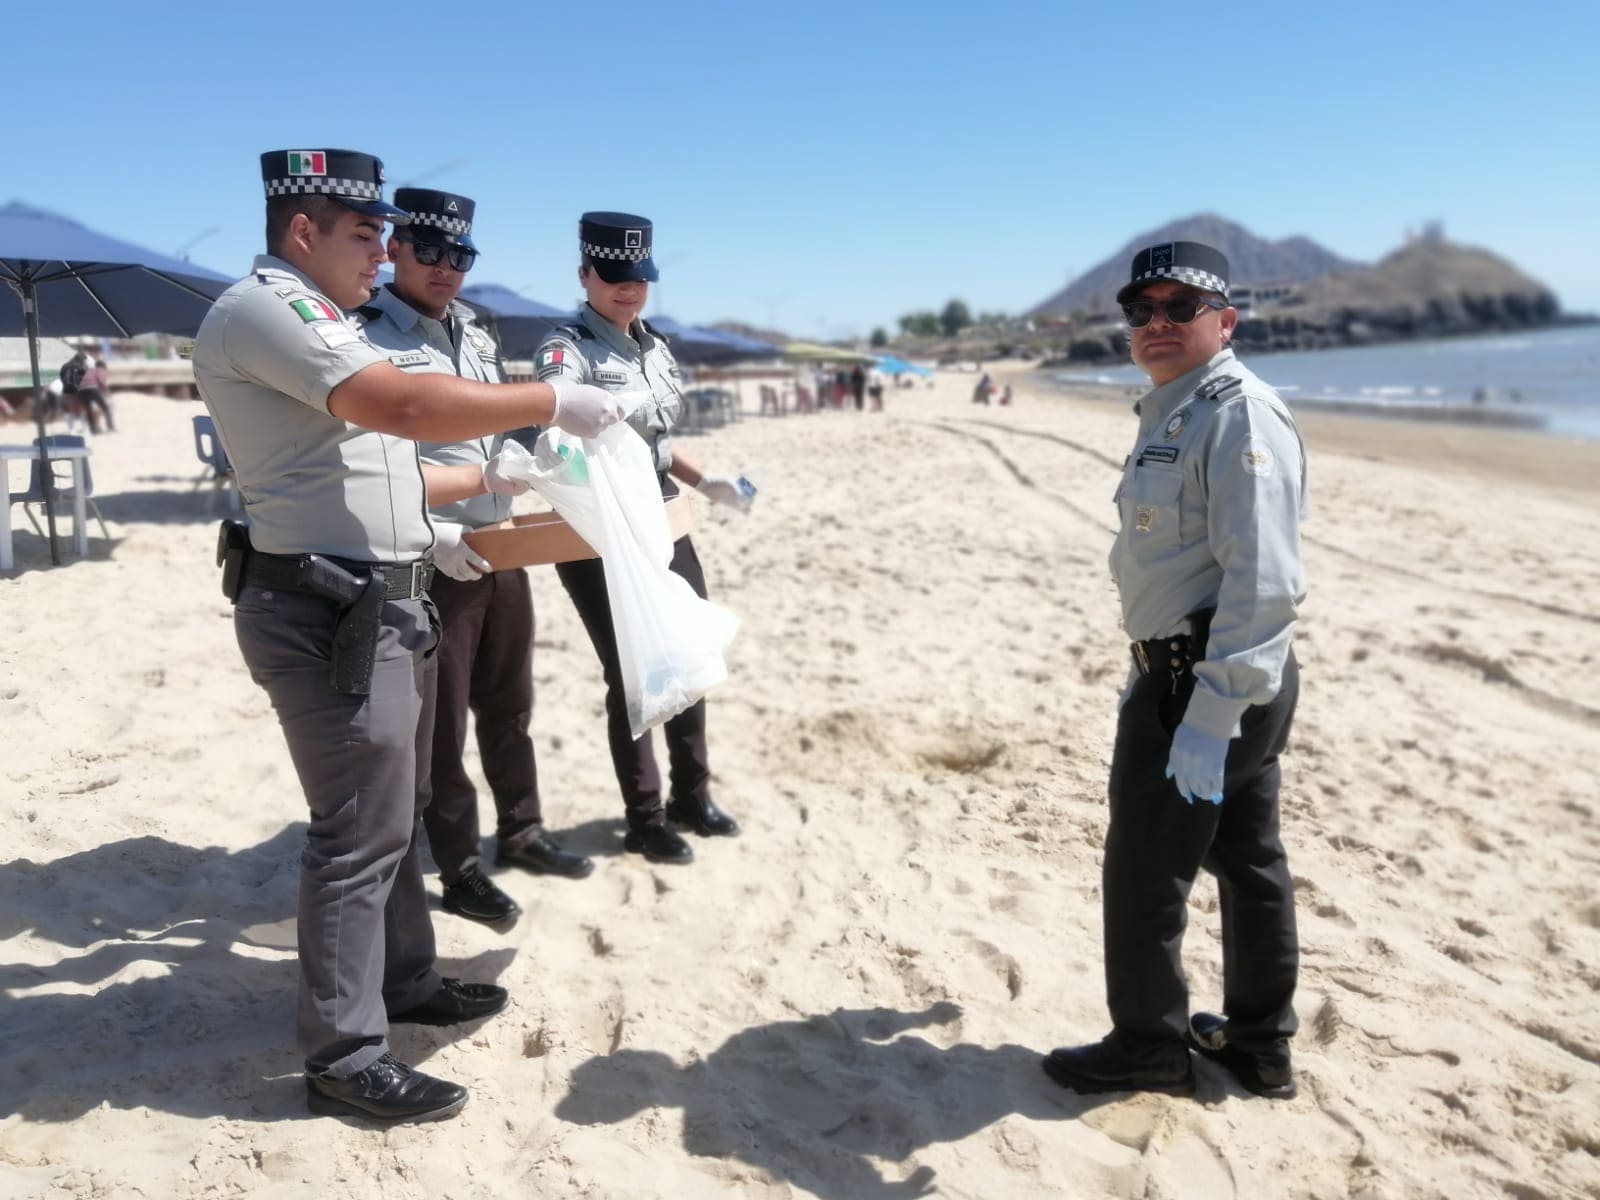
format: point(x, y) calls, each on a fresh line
point(828, 167)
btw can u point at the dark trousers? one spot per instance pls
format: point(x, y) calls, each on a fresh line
point(485, 668)
point(1155, 845)
point(635, 761)
point(365, 936)
point(91, 399)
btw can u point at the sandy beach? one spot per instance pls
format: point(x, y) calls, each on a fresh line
point(848, 1002)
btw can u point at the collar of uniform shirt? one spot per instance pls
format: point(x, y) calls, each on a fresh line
point(388, 301)
point(268, 262)
point(1157, 404)
point(616, 337)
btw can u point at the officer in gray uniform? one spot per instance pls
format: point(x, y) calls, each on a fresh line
point(329, 582)
point(486, 657)
point(610, 344)
point(1207, 563)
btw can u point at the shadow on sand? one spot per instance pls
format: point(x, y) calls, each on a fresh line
point(813, 1101)
point(176, 984)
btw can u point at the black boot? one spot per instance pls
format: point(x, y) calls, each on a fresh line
point(475, 897)
point(658, 843)
point(702, 816)
point(387, 1090)
point(535, 850)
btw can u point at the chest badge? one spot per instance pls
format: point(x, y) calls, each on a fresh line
point(1144, 516)
point(1176, 424)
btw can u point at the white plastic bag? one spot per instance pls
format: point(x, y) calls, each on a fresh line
point(669, 641)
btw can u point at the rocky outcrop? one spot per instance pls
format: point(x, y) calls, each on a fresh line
point(1252, 260)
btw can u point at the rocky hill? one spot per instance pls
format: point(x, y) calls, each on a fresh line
point(1252, 260)
point(1428, 288)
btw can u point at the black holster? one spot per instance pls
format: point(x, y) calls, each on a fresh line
point(233, 551)
point(355, 639)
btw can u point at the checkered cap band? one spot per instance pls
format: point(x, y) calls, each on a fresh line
point(1193, 276)
point(632, 254)
point(453, 225)
point(355, 189)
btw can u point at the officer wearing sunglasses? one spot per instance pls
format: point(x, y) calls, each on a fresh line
point(1207, 563)
point(486, 658)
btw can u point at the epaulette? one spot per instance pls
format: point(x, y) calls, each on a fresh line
point(367, 313)
point(578, 332)
point(654, 332)
point(1221, 389)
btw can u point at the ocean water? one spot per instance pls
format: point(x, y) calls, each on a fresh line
point(1554, 373)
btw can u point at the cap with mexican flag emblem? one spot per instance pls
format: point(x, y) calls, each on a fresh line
point(348, 176)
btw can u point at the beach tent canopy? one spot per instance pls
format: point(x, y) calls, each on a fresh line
point(517, 323)
point(890, 365)
point(693, 346)
point(813, 352)
point(748, 347)
point(67, 281)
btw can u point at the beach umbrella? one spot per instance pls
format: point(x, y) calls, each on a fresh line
point(812, 352)
point(696, 347)
point(517, 323)
point(68, 281)
point(748, 347)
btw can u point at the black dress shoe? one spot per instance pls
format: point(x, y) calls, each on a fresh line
point(1104, 1066)
point(388, 1090)
point(535, 850)
point(475, 897)
point(453, 1003)
point(658, 843)
point(1269, 1074)
point(702, 816)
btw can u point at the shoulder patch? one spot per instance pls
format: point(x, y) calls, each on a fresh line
point(1256, 458)
point(309, 309)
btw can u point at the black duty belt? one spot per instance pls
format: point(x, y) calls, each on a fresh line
point(295, 572)
point(1178, 653)
point(1163, 654)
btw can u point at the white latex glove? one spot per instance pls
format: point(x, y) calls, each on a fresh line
point(1197, 764)
point(720, 489)
point(499, 482)
point(453, 556)
point(584, 410)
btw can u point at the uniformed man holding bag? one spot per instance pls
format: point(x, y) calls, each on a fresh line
point(486, 657)
point(610, 344)
point(331, 610)
point(1207, 563)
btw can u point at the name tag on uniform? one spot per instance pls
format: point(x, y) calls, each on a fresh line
point(411, 358)
point(610, 377)
point(1160, 454)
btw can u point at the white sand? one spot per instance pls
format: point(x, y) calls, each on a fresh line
point(915, 738)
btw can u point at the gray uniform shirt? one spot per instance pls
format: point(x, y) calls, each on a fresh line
point(590, 349)
point(267, 355)
point(454, 346)
point(1211, 502)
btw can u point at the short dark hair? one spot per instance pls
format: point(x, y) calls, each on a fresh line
point(324, 212)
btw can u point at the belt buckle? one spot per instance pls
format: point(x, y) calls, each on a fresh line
point(1140, 657)
point(419, 578)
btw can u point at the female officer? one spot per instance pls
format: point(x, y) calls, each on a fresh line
point(611, 345)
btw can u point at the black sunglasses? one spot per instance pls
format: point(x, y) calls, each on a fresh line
point(1180, 310)
point(429, 253)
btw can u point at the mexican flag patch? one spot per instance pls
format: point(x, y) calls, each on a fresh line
point(551, 358)
point(308, 162)
point(313, 310)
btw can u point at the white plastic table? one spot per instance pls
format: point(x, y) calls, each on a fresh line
point(79, 455)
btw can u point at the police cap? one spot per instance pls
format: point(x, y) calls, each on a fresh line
point(617, 246)
point(1194, 263)
point(354, 179)
point(438, 216)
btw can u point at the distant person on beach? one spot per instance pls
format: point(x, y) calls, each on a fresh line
point(875, 388)
point(485, 676)
point(93, 394)
point(980, 393)
point(611, 343)
point(858, 386)
point(1207, 563)
point(331, 609)
point(1005, 396)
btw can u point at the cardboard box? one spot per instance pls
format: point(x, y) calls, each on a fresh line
point(536, 538)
